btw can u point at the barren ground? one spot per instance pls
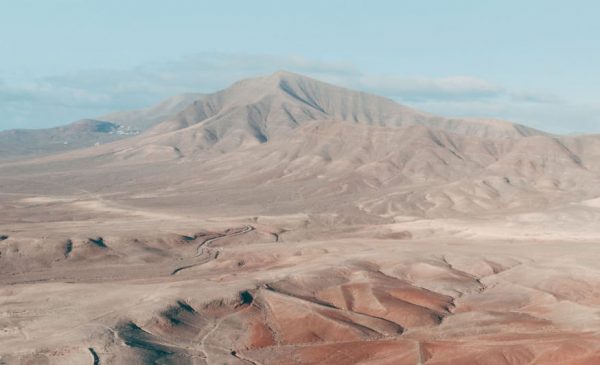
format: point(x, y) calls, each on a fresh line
point(87, 281)
point(288, 221)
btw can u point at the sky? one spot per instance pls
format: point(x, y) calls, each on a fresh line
point(532, 62)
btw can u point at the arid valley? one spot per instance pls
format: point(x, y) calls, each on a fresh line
point(284, 220)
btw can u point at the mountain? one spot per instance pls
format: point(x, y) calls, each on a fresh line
point(269, 105)
point(255, 110)
point(22, 143)
point(306, 138)
point(258, 110)
point(142, 119)
point(83, 133)
point(285, 218)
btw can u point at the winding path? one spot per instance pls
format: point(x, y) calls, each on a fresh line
point(199, 250)
point(206, 243)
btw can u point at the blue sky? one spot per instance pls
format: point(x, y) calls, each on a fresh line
point(533, 62)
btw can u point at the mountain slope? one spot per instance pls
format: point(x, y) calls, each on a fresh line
point(249, 112)
point(84, 133)
point(280, 141)
point(359, 172)
point(388, 171)
point(22, 143)
point(285, 220)
point(264, 106)
point(142, 119)
point(262, 109)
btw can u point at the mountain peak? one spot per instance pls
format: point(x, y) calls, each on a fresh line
point(268, 83)
point(285, 100)
point(281, 74)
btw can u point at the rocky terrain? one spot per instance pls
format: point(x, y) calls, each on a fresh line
point(288, 221)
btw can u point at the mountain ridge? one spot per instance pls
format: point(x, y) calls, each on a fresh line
point(253, 110)
point(304, 138)
point(28, 143)
point(301, 98)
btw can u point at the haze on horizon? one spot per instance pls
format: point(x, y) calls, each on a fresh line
point(530, 63)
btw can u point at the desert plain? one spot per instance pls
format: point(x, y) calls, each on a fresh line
point(288, 221)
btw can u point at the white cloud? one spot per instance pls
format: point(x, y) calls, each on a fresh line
point(561, 117)
point(422, 88)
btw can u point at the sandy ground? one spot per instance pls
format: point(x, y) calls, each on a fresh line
point(91, 281)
